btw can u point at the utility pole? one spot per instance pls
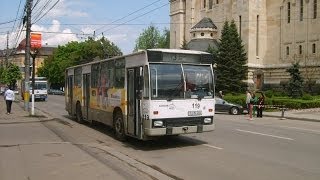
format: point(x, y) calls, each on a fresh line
point(7, 51)
point(27, 58)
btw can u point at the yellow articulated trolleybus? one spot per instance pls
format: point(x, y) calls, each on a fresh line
point(147, 94)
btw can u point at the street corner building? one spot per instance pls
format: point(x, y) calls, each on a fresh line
point(275, 34)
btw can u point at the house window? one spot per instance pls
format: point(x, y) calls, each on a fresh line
point(288, 51)
point(202, 34)
point(315, 6)
point(194, 34)
point(210, 4)
point(300, 49)
point(301, 10)
point(289, 13)
point(217, 1)
point(211, 34)
point(313, 48)
point(204, 4)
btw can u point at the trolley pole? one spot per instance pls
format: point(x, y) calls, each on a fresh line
point(27, 58)
point(34, 55)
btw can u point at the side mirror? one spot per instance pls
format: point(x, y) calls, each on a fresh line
point(223, 102)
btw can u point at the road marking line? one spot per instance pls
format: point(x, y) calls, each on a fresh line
point(214, 147)
point(311, 130)
point(280, 137)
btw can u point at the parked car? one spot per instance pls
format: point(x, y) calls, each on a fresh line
point(55, 92)
point(224, 106)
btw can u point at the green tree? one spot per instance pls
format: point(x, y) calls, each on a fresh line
point(185, 45)
point(75, 53)
point(152, 38)
point(230, 60)
point(164, 40)
point(10, 75)
point(295, 84)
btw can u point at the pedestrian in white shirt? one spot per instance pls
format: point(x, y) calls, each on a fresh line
point(249, 104)
point(9, 97)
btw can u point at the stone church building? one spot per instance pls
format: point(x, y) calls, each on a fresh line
point(275, 33)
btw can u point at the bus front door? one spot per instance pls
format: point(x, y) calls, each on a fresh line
point(70, 96)
point(86, 95)
point(134, 86)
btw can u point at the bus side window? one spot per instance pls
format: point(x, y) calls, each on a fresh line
point(146, 82)
point(154, 90)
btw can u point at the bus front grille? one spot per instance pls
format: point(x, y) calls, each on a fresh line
point(178, 122)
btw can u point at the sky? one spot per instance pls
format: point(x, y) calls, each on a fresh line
point(120, 21)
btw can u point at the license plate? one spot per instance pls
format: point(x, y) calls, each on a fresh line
point(194, 113)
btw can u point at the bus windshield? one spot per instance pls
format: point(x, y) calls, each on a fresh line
point(175, 81)
point(39, 85)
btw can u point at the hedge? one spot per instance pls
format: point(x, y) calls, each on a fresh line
point(288, 102)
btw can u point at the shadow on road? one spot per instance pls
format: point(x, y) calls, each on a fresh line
point(164, 142)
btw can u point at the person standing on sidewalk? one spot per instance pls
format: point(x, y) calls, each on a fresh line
point(248, 102)
point(254, 101)
point(9, 97)
point(260, 105)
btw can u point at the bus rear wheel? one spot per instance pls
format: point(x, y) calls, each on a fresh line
point(118, 126)
point(79, 116)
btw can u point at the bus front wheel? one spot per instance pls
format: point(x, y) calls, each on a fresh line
point(118, 126)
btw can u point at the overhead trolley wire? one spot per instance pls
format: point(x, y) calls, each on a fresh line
point(47, 11)
point(137, 17)
point(130, 14)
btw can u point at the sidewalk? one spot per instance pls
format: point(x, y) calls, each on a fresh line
point(29, 150)
point(303, 114)
point(18, 114)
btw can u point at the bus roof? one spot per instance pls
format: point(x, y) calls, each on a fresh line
point(179, 51)
point(182, 51)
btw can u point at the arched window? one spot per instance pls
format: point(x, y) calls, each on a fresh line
point(300, 49)
point(289, 11)
point(301, 10)
point(288, 51)
point(315, 6)
point(313, 48)
point(210, 4)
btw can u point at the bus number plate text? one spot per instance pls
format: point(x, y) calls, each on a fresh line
point(194, 113)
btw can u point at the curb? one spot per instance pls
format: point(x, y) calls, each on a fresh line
point(292, 118)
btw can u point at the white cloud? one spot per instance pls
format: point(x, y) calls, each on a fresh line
point(63, 8)
point(54, 35)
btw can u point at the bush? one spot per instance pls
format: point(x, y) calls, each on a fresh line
point(306, 102)
point(307, 97)
point(268, 93)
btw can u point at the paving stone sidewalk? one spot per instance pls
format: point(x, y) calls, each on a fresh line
point(17, 113)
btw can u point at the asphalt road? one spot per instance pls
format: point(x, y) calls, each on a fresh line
point(266, 148)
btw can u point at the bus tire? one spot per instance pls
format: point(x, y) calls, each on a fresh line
point(79, 116)
point(118, 126)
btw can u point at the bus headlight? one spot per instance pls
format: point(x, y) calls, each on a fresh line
point(157, 123)
point(207, 120)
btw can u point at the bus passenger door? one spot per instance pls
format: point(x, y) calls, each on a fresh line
point(86, 96)
point(134, 87)
point(70, 96)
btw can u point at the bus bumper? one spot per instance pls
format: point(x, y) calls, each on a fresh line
point(179, 130)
